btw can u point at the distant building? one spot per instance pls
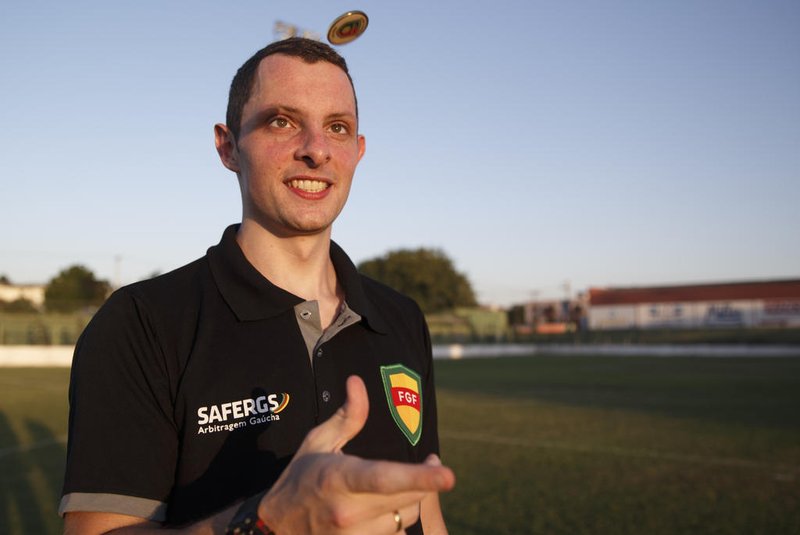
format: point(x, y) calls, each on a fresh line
point(32, 292)
point(549, 316)
point(742, 304)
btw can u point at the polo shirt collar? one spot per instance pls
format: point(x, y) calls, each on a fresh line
point(354, 293)
point(252, 296)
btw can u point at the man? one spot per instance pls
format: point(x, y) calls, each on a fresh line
point(269, 368)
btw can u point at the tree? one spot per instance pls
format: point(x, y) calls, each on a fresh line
point(426, 275)
point(18, 306)
point(4, 279)
point(73, 289)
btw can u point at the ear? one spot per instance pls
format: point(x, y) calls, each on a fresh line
point(226, 147)
point(362, 146)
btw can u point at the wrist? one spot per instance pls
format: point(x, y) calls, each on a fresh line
point(247, 521)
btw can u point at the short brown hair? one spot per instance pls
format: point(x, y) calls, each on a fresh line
point(308, 50)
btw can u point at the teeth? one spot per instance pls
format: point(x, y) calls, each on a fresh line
point(311, 186)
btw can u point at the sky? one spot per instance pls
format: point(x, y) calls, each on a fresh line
point(545, 146)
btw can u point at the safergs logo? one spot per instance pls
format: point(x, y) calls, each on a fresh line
point(241, 413)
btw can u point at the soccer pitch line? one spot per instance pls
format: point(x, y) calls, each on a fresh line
point(781, 472)
point(25, 448)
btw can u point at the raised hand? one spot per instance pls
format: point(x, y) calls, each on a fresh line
point(323, 491)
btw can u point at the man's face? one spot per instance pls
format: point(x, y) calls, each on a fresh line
point(298, 146)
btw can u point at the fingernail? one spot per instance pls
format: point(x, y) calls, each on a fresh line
point(433, 460)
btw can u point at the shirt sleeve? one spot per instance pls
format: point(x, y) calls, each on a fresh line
point(123, 441)
point(430, 424)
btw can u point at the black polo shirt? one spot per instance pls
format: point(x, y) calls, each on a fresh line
point(193, 390)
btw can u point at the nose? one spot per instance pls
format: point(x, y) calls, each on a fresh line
point(313, 149)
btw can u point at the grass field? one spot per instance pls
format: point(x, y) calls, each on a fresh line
point(622, 445)
point(562, 445)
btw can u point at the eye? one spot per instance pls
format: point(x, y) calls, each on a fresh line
point(279, 122)
point(340, 128)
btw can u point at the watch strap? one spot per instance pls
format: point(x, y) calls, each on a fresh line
point(246, 520)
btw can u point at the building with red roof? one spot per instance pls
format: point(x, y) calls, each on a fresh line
point(736, 304)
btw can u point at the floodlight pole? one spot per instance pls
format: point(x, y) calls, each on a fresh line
point(283, 30)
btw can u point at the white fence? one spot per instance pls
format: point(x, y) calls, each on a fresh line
point(55, 356)
point(23, 356)
point(458, 351)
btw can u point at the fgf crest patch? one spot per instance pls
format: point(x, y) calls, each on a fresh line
point(403, 388)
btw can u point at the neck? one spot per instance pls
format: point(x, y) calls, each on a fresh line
point(300, 265)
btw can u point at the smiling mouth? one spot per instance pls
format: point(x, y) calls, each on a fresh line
point(309, 186)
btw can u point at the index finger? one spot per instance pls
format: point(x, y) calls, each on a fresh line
point(387, 477)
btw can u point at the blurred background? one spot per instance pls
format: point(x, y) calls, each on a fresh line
point(572, 183)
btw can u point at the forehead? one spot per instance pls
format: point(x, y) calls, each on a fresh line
point(290, 81)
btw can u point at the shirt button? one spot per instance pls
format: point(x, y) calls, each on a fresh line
point(326, 396)
point(319, 352)
point(305, 314)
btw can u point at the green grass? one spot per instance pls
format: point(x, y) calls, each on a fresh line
point(33, 428)
point(551, 445)
point(588, 445)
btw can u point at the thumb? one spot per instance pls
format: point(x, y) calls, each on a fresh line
point(331, 435)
